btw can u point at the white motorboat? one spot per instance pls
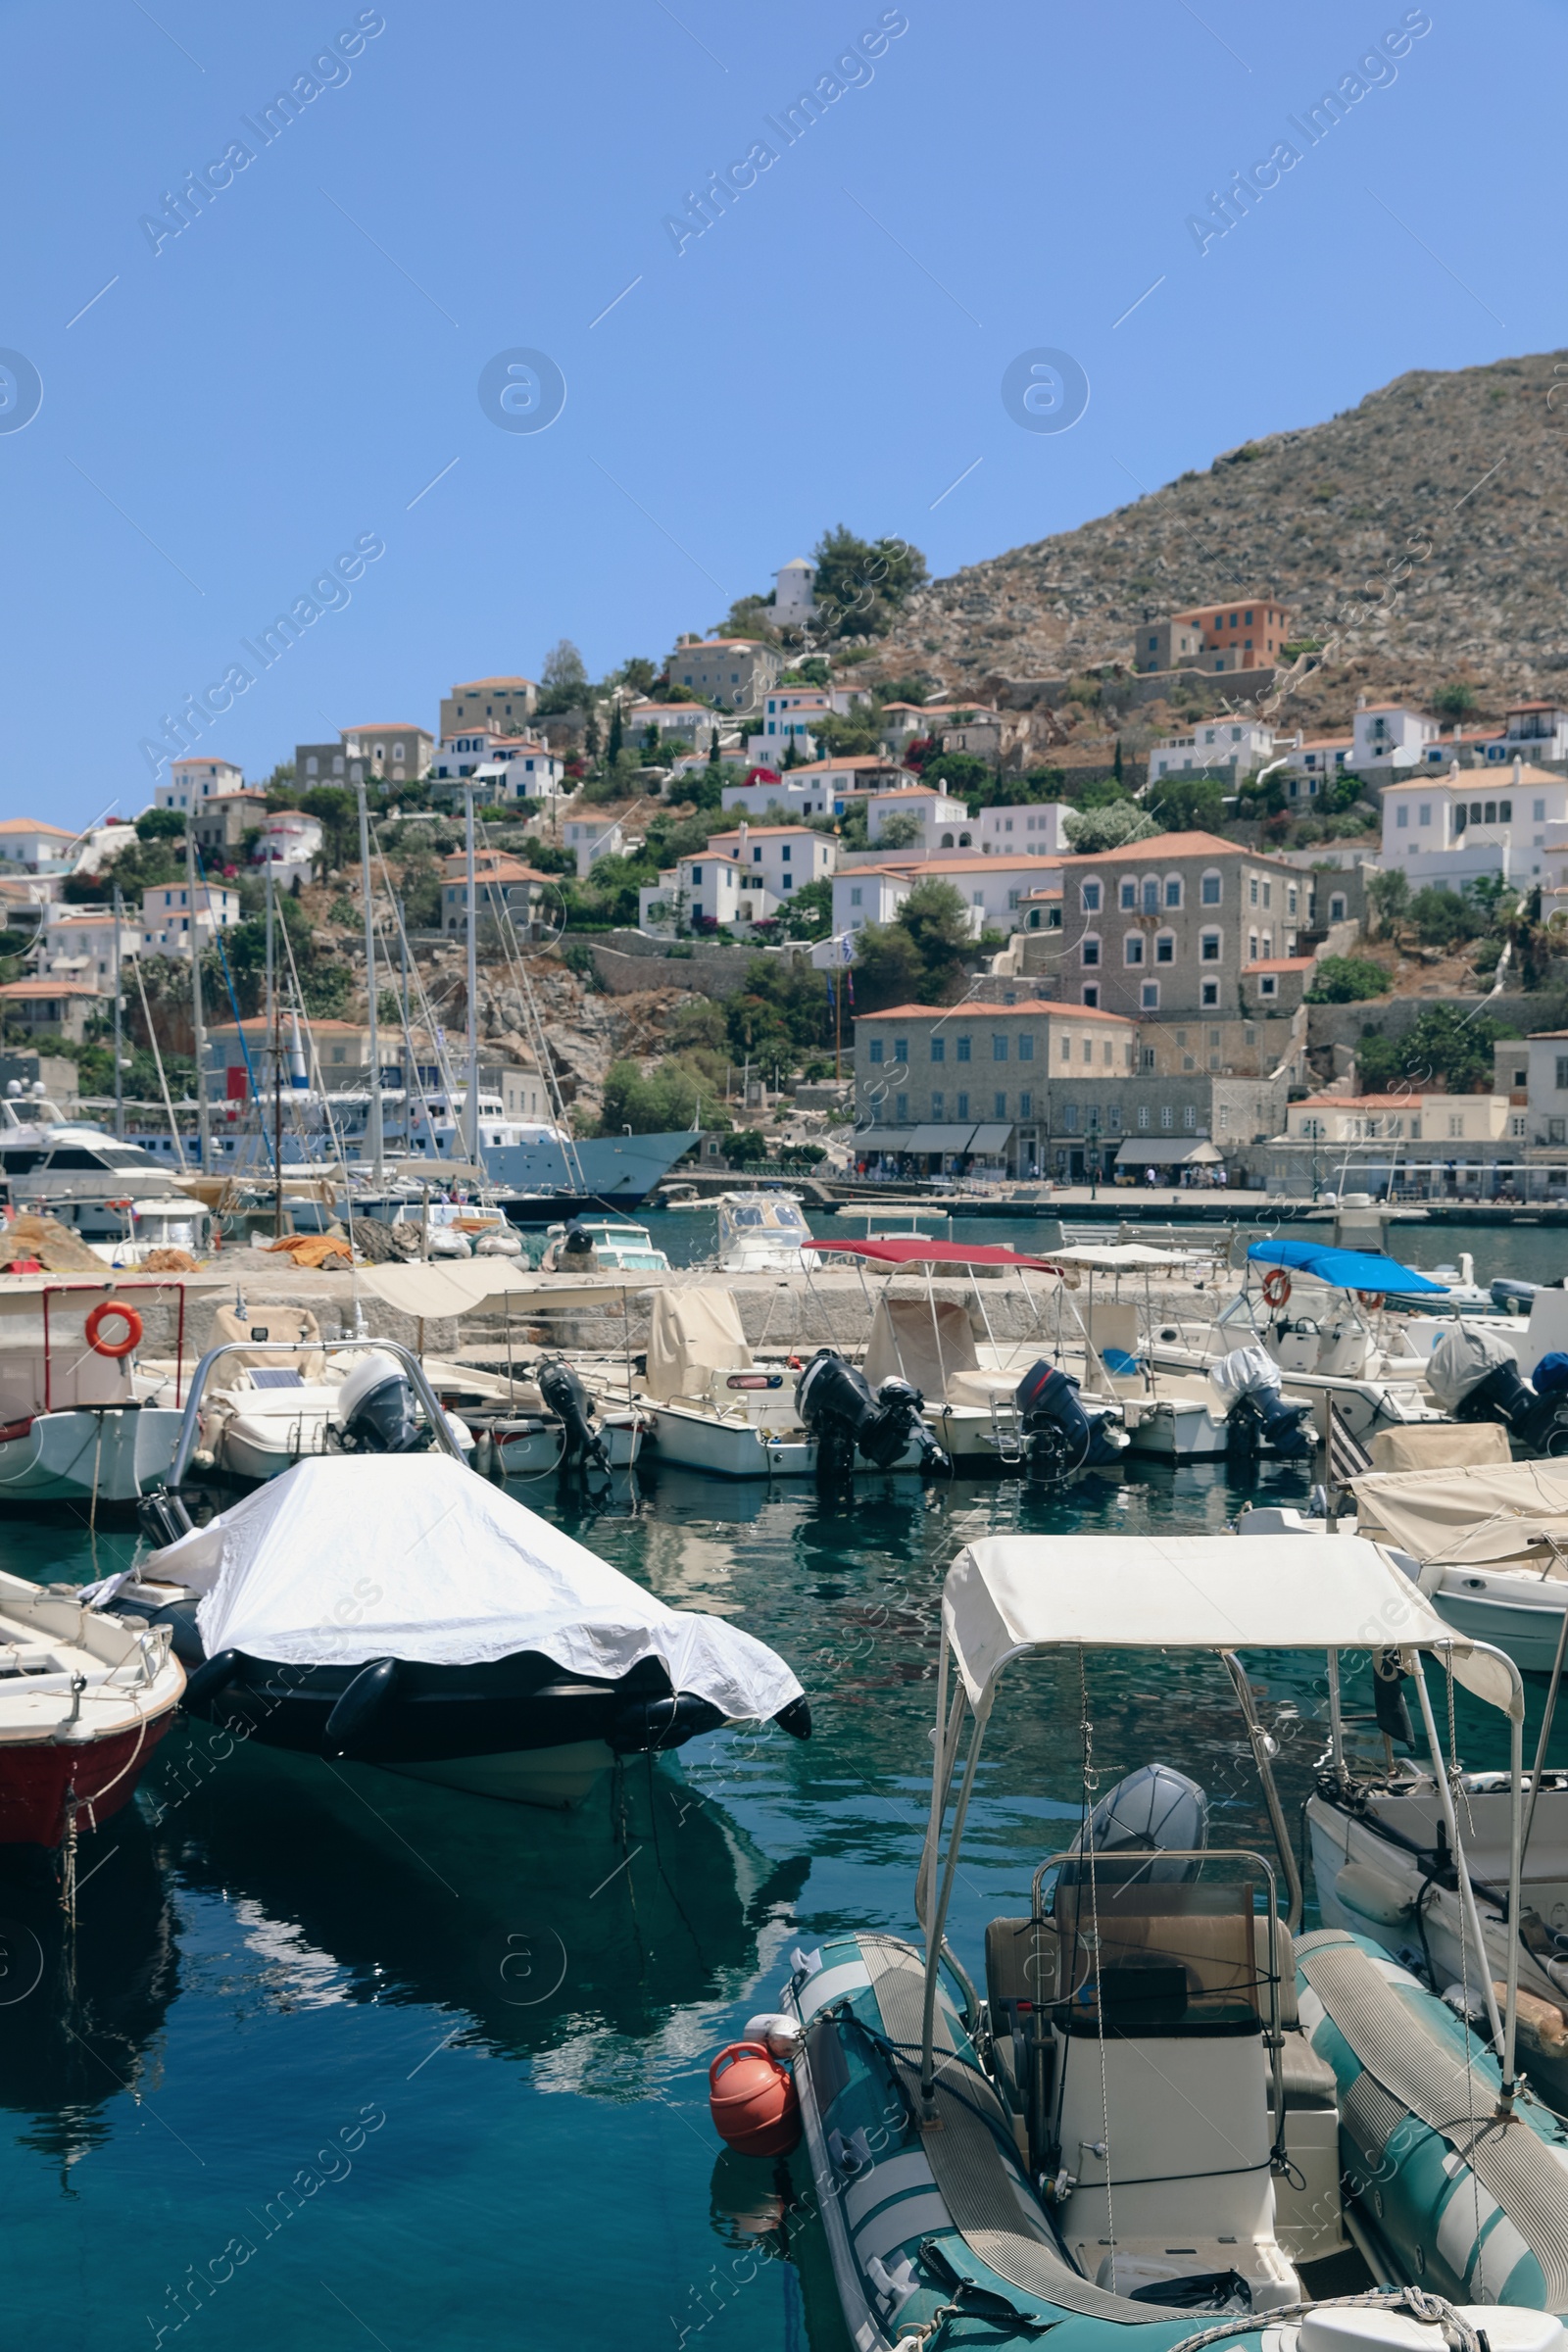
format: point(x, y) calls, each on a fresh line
point(714, 1407)
point(1312, 1315)
point(605, 1244)
point(74, 1423)
point(761, 1233)
point(993, 1404)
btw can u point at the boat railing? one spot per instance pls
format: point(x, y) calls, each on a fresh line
point(419, 1379)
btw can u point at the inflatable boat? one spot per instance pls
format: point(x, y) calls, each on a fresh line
point(395, 1609)
point(1167, 2103)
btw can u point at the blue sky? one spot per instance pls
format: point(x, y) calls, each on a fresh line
point(291, 373)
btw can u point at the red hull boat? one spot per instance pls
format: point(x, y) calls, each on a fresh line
point(84, 1699)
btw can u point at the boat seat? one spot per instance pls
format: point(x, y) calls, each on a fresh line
point(1306, 2079)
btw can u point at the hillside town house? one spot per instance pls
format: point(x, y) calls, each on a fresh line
point(736, 671)
point(504, 887)
point(1453, 828)
point(778, 858)
point(33, 848)
point(393, 751)
point(1165, 927)
point(499, 706)
point(53, 1007)
point(171, 911)
point(929, 805)
point(192, 781)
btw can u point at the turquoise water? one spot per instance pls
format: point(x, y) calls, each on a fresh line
point(348, 2060)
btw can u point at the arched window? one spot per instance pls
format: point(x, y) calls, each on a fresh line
point(1209, 889)
point(1089, 948)
point(946, 841)
point(1132, 948)
point(1173, 889)
point(966, 840)
point(1166, 947)
point(1209, 947)
point(1089, 897)
point(1150, 893)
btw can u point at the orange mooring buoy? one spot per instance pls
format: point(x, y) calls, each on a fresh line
point(752, 2100)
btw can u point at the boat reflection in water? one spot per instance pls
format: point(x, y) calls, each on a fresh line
point(591, 1936)
point(77, 2014)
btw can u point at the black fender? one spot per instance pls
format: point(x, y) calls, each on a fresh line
point(210, 1679)
point(354, 1712)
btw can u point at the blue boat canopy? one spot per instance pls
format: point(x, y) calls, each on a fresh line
point(1345, 1269)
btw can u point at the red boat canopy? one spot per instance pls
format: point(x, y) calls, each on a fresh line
point(913, 1249)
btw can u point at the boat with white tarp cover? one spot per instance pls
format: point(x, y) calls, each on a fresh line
point(1168, 2102)
point(394, 1609)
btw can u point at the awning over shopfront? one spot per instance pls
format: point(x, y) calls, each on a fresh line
point(941, 1139)
point(1141, 1152)
point(989, 1139)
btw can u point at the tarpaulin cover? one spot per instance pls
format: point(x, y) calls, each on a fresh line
point(347, 1558)
point(692, 1333)
point(1345, 1269)
point(911, 1249)
point(1009, 1594)
point(1463, 1357)
point(1473, 1517)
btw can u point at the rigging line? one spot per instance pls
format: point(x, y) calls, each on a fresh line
point(339, 1146)
point(228, 983)
point(517, 966)
point(403, 1002)
point(162, 1082)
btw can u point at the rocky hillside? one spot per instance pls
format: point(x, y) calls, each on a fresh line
point(1461, 477)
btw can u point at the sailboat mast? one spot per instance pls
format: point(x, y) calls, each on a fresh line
point(277, 1061)
point(199, 1034)
point(377, 1154)
point(120, 1075)
point(472, 1106)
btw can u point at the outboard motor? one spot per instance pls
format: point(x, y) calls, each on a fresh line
point(1248, 1379)
point(1154, 1810)
point(376, 1410)
point(1060, 1434)
point(566, 1397)
point(1475, 1375)
point(836, 1405)
point(162, 1518)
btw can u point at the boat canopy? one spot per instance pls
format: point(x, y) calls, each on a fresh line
point(346, 1559)
point(914, 1249)
point(1122, 1257)
point(1345, 1269)
point(1485, 1514)
point(1009, 1595)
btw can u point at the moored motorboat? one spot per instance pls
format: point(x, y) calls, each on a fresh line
point(393, 1610)
point(1168, 2102)
point(76, 1428)
point(84, 1699)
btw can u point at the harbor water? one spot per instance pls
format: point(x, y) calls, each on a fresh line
point(337, 2058)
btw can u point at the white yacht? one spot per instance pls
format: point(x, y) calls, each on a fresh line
point(761, 1233)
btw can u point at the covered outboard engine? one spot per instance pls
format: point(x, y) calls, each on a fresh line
point(836, 1405)
point(566, 1397)
point(1155, 1810)
point(1474, 1374)
point(376, 1409)
point(1060, 1433)
point(1249, 1381)
point(162, 1518)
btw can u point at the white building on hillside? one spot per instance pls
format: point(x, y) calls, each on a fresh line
point(788, 713)
point(77, 942)
point(931, 807)
point(169, 912)
point(869, 894)
point(592, 837)
point(1221, 747)
point(189, 782)
point(1037, 829)
point(784, 857)
point(794, 593)
point(1390, 735)
point(1452, 829)
point(812, 798)
point(289, 842)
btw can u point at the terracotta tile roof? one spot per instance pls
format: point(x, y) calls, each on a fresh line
point(986, 1011)
point(1280, 963)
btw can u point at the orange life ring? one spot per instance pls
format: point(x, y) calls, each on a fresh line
point(1370, 1300)
point(1277, 1288)
point(97, 1319)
